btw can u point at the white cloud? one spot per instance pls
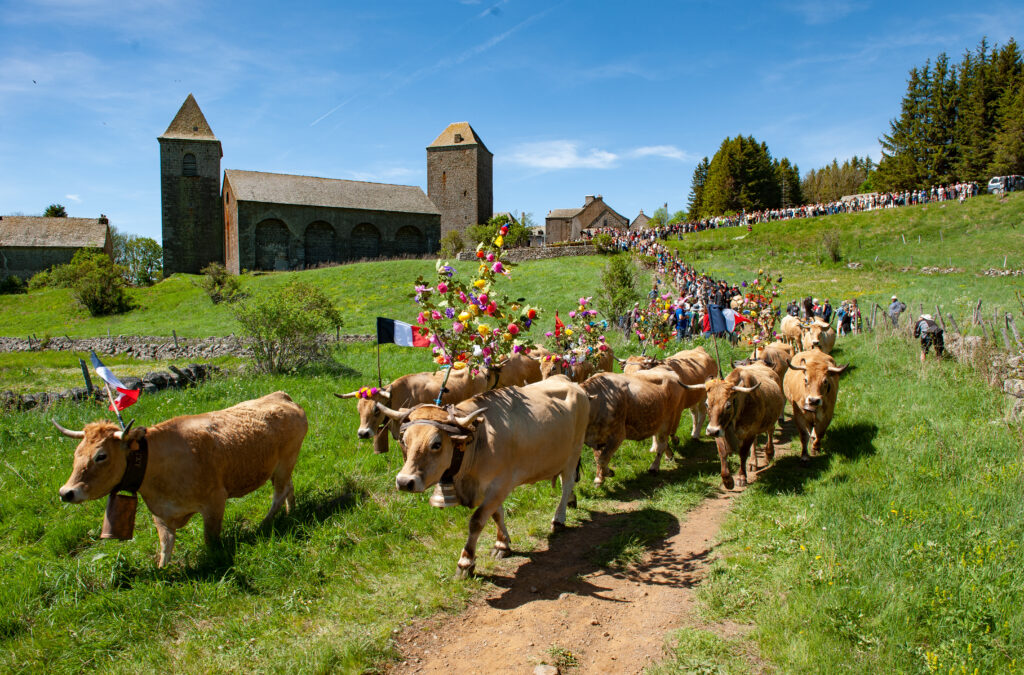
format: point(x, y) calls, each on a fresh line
point(75, 198)
point(666, 151)
point(553, 155)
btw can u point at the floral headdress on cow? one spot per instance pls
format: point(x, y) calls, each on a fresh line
point(582, 339)
point(759, 306)
point(653, 327)
point(471, 324)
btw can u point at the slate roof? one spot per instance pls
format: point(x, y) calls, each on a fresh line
point(563, 213)
point(447, 137)
point(278, 188)
point(40, 232)
point(189, 123)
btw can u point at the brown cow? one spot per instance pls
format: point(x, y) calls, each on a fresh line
point(493, 443)
point(776, 355)
point(792, 331)
point(744, 404)
point(556, 364)
point(812, 385)
point(195, 462)
point(518, 370)
point(633, 407)
point(406, 392)
point(693, 366)
point(819, 335)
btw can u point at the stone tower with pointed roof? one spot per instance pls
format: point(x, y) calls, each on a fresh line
point(460, 177)
point(192, 215)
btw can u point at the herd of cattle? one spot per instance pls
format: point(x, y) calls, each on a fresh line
point(523, 422)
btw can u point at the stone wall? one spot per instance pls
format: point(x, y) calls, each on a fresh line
point(459, 182)
point(24, 262)
point(283, 236)
point(518, 255)
point(1005, 371)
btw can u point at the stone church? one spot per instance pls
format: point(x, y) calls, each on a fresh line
point(255, 220)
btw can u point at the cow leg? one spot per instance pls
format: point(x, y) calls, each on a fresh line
point(660, 447)
point(502, 542)
point(166, 534)
point(769, 447)
point(467, 561)
point(805, 434)
point(213, 517)
point(744, 456)
point(819, 433)
point(284, 494)
point(568, 483)
point(698, 414)
point(723, 456)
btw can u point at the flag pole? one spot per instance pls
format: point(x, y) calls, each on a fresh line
point(718, 359)
point(379, 380)
point(114, 407)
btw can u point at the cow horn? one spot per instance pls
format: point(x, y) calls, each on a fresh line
point(385, 393)
point(693, 386)
point(796, 367)
point(68, 432)
point(838, 369)
point(470, 418)
point(351, 394)
point(746, 390)
point(622, 362)
point(397, 415)
point(121, 434)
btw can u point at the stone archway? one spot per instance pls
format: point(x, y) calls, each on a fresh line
point(272, 237)
point(365, 242)
point(409, 241)
point(320, 242)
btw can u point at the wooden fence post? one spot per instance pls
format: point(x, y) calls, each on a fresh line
point(1002, 330)
point(85, 375)
point(1013, 327)
point(956, 327)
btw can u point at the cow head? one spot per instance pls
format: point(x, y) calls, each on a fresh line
point(370, 417)
point(813, 334)
point(821, 379)
point(552, 364)
point(430, 437)
point(637, 363)
point(100, 459)
point(725, 401)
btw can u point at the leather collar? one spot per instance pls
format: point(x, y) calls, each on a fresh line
point(135, 471)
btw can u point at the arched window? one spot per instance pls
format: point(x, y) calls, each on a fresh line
point(319, 244)
point(409, 241)
point(272, 245)
point(188, 165)
point(365, 242)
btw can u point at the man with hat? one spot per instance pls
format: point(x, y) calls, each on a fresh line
point(895, 309)
point(930, 334)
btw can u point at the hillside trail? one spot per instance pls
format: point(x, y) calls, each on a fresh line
point(612, 620)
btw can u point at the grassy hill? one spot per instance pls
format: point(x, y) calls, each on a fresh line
point(898, 550)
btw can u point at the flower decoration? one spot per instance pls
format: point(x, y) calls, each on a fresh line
point(579, 340)
point(470, 323)
point(759, 306)
point(367, 392)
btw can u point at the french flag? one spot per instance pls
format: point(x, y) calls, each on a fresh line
point(125, 396)
point(400, 333)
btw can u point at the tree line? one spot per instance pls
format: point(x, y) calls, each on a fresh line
point(958, 123)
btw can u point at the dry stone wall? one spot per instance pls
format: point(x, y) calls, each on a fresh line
point(518, 255)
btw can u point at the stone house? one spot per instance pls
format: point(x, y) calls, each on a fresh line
point(569, 224)
point(640, 222)
point(31, 244)
point(278, 222)
point(266, 221)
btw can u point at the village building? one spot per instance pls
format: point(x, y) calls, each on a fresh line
point(569, 224)
point(640, 221)
point(31, 244)
point(267, 221)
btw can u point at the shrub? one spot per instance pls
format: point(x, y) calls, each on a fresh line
point(12, 285)
point(451, 244)
point(830, 246)
point(99, 284)
point(517, 236)
point(283, 326)
point(219, 284)
point(604, 243)
point(618, 289)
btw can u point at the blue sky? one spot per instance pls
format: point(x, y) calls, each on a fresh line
point(573, 97)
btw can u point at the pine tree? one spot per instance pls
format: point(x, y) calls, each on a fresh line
point(787, 175)
point(903, 153)
point(696, 199)
point(740, 177)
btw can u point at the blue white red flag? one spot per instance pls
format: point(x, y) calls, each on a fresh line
point(125, 396)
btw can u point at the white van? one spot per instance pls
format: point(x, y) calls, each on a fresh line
point(997, 184)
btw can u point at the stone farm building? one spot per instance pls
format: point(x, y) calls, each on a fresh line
point(568, 224)
point(640, 222)
point(269, 221)
point(30, 244)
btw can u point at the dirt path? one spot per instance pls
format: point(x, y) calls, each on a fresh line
point(612, 621)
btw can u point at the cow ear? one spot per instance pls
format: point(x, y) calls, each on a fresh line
point(133, 437)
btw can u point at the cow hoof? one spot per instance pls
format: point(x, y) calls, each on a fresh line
point(557, 526)
point(465, 572)
point(499, 553)
point(610, 473)
point(598, 480)
point(652, 471)
point(805, 458)
point(728, 483)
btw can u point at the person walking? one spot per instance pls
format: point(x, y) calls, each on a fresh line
point(930, 334)
point(895, 309)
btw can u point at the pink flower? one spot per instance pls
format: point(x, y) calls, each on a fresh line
point(457, 327)
point(434, 314)
point(512, 328)
point(572, 314)
point(420, 318)
point(548, 334)
point(442, 287)
point(497, 268)
point(483, 299)
point(462, 297)
point(516, 349)
point(490, 257)
point(486, 351)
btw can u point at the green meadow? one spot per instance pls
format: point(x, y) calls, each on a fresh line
point(896, 550)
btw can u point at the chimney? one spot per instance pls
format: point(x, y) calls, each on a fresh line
point(103, 219)
point(588, 199)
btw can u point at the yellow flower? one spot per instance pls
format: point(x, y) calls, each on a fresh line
point(568, 331)
point(507, 336)
point(484, 329)
point(499, 240)
point(474, 310)
point(458, 365)
point(480, 283)
point(464, 316)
